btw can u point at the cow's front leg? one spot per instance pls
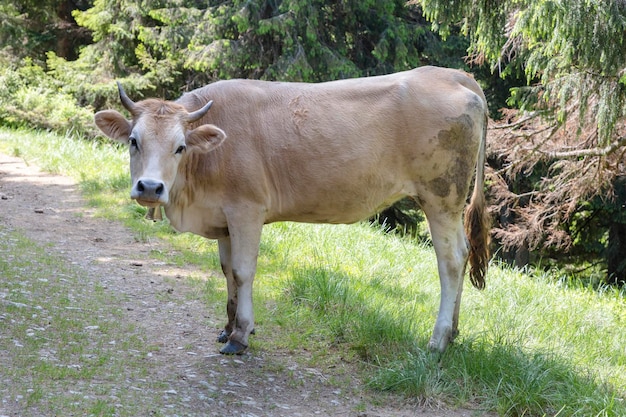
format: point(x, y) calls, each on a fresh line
point(245, 236)
point(154, 213)
point(231, 302)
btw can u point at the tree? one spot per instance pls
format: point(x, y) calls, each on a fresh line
point(570, 129)
point(165, 47)
point(33, 27)
point(304, 40)
point(29, 97)
point(291, 40)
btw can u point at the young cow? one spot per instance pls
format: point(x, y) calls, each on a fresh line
point(334, 152)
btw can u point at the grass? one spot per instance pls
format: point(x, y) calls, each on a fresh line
point(529, 345)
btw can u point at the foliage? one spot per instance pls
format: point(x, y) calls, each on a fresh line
point(163, 47)
point(563, 44)
point(32, 98)
point(30, 28)
point(185, 44)
point(316, 40)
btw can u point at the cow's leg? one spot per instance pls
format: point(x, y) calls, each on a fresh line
point(457, 307)
point(245, 236)
point(154, 214)
point(231, 302)
point(451, 249)
point(158, 216)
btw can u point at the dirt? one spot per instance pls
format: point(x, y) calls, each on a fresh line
point(49, 209)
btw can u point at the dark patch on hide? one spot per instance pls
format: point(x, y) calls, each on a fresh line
point(459, 143)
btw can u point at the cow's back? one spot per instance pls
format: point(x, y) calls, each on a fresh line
point(339, 151)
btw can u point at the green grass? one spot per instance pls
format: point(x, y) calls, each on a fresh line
point(529, 345)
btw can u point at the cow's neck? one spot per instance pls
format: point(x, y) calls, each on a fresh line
point(189, 212)
point(179, 200)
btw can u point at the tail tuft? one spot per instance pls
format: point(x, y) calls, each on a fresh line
point(477, 225)
point(478, 222)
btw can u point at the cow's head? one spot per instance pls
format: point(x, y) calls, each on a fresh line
point(159, 136)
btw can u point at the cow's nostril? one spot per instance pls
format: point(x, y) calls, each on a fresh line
point(148, 189)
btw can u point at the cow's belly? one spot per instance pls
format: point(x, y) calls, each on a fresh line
point(343, 207)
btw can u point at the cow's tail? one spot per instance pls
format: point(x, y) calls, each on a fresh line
point(477, 221)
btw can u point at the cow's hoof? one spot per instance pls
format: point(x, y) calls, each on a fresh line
point(223, 336)
point(440, 340)
point(233, 348)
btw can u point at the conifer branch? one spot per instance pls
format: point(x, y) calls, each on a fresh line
point(588, 152)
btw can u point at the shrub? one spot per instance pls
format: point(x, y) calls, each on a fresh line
point(32, 98)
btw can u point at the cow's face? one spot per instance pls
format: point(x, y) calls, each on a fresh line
point(159, 137)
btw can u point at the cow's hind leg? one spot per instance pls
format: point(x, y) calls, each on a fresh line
point(451, 249)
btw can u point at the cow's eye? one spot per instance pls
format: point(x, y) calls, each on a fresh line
point(133, 142)
point(180, 149)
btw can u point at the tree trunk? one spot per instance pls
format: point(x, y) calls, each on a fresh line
point(616, 249)
point(70, 36)
point(616, 273)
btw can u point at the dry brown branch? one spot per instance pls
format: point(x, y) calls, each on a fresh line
point(588, 152)
point(517, 123)
point(541, 170)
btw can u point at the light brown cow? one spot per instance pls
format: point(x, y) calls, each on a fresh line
point(333, 152)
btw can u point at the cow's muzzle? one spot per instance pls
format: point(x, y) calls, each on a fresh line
point(149, 192)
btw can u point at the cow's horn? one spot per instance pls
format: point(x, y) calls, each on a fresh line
point(126, 102)
point(198, 114)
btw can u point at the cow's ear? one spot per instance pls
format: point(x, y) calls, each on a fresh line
point(205, 138)
point(113, 124)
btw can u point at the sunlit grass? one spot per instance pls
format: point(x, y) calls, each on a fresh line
point(529, 345)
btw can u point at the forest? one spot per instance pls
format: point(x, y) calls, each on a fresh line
point(554, 72)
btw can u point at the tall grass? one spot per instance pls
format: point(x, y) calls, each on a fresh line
point(528, 345)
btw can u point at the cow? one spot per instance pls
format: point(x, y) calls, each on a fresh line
point(331, 152)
